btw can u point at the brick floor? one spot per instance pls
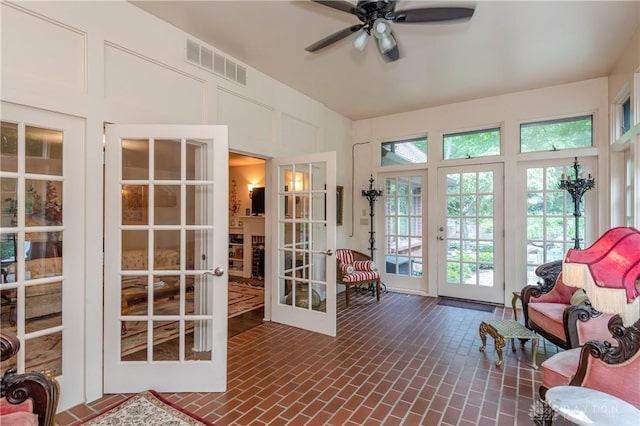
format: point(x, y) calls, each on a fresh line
point(405, 360)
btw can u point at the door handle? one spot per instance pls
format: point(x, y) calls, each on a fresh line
point(441, 238)
point(328, 252)
point(218, 272)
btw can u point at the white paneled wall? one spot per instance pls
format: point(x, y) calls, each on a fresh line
point(111, 62)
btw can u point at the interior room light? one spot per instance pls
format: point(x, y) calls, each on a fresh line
point(381, 28)
point(386, 43)
point(250, 188)
point(382, 32)
point(360, 42)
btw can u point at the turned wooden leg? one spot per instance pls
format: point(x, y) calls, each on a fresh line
point(378, 290)
point(483, 335)
point(535, 351)
point(346, 293)
point(499, 343)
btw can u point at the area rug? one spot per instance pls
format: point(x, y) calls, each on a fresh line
point(244, 297)
point(146, 408)
point(456, 303)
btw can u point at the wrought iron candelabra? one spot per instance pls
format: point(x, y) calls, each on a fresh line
point(372, 195)
point(576, 187)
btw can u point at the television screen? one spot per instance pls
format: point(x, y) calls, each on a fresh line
point(257, 201)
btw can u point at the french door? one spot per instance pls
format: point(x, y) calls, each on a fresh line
point(41, 244)
point(165, 253)
point(304, 224)
point(551, 227)
point(470, 233)
point(402, 251)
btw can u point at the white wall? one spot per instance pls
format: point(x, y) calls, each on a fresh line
point(110, 62)
point(507, 111)
point(624, 79)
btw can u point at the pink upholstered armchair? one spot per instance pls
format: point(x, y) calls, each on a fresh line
point(610, 368)
point(552, 314)
point(29, 398)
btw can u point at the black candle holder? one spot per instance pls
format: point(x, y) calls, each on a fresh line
point(576, 187)
point(372, 195)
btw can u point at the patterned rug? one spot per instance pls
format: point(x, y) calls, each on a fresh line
point(244, 297)
point(146, 408)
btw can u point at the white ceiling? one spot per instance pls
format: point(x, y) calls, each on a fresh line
point(507, 46)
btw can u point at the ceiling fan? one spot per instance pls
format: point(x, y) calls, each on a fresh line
point(376, 17)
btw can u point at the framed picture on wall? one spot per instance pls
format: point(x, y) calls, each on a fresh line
point(134, 204)
point(339, 200)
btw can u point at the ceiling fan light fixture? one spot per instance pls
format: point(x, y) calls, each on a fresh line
point(381, 28)
point(360, 42)
point(386, 43)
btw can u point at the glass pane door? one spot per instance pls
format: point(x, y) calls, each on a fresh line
point(41, 283)
point(403, 249)
point(305, 294)
point(550, 229)
point(165, 305)
point(470, 233)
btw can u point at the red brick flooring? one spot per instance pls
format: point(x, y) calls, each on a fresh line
point(404, 360)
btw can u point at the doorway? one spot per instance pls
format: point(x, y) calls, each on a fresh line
point(470, 238)
point(247, 180)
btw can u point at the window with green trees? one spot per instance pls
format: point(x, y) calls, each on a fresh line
point(409, 151)
point(555, 135)
point(403, 225)
point(477, 143)
point(550, 227)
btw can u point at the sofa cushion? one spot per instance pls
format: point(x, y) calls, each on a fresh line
point(43, 267)
point(21, 418)
point(17, 414)
point(8, 408)
point(560, 293)
point(548, 316)
point(138, 259)
point(344, 256)
point(579, 297)
point(360, 276)
point(364, 265)
point(560, 368)
point(346, 268)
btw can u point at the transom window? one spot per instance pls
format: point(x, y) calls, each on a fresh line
point(410, 151)
point(477, 143)
point(626, 115)
point(555, 135)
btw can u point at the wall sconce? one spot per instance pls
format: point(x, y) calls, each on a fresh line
point(250, 188)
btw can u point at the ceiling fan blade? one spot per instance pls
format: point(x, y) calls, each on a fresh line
point(433, 14)
point(341, 5)
point(333, 38)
